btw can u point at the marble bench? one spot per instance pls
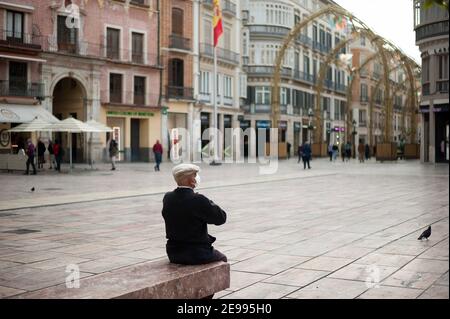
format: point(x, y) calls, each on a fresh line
point(149, 280)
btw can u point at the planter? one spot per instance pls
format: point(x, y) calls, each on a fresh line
point(412, 151)
point(386, 152)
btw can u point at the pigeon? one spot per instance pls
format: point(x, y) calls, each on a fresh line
point(32, 189)
point(425, 234)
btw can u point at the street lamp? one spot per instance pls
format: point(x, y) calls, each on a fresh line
point(354, 138)
point(310, 115)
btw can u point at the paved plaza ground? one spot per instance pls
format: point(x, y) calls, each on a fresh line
point(340, 230)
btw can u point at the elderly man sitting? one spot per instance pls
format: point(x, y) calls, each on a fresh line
point(186, 215)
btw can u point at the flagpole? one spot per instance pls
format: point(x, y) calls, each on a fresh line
point(216, 139)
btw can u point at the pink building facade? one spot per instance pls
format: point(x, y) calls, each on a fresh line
point(89, 60)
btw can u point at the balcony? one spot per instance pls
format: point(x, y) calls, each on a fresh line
point(99, 51)
point(342, 88)
point(302, 76)
point(268, 31)
point(179, 42)
point(179, 92)
point(21, 41)
point(362, 124)
point(319, 47)
point(442, 86)
point(22, 89)
point(432, 30)
point(228, 7)
point(129, 98)
point(223, 55)
point(141, 3)
point(262, 109)
point(364, 99)
point(267, 71)
point(305, 40)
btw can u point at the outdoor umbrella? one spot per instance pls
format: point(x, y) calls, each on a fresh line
point(71, 125)
point(36, 125)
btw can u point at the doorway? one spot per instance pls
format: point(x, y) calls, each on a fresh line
point(135, 138)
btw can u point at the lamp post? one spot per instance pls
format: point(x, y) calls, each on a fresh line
point(354, 138)
point(310, 115)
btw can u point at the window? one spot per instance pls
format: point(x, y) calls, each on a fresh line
point(137, 47)
point(18, 77)
point(177, 21)
point(245, 42)
point(176, 72)
point(426, 69)
point(243, 85)
point(337, 110)
point(364, 93)
point(139, 90)
point(262, 95)
point(315, 33)
point(306, 64)
point(283, 96)
point(362, 117)
point(205, 82)
point(14, 26)
point(443, 67)
point(207, 32)
point(112, 43)
point(227, 38)
point(67, 37)
point(115, 88)
point(227, 86)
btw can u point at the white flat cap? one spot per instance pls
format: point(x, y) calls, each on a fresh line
point(183, 169)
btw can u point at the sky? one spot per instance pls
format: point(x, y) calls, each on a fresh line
point(392, 19)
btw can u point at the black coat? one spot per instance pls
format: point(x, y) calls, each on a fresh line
point(186, 215)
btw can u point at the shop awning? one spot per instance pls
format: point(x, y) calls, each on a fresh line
point(17, 113)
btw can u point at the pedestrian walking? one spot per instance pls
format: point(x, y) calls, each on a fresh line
point(299, 153)
point(335, 151)
point(367, 152)
point(361, 151)
point(288, 150)
point(31, 152)
point(306, 155)
point(51, 154)
point(41, 153)
point(330, 152)
point(343, 151)
point(158, 151)
point(58, 151)
point(348, 150)
point(113, 152)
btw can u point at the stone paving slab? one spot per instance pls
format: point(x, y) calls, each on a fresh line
point(322, 233)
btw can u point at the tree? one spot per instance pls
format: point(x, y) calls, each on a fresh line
point(442, 3)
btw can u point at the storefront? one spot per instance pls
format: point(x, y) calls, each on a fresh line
point(135, 133)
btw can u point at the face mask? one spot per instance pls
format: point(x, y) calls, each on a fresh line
point(197, 180)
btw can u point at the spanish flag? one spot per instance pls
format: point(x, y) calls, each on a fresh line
point(217, 22)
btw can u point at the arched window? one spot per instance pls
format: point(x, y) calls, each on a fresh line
point(177, 21)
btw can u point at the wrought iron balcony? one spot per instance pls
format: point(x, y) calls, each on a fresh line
point(223, 55)
point(442, 86)
point(432, 30)
point(180, 92)
point(266, 70)
point(179, 42)
point(268, 31)
point(21, 89)
point(302, 76)
point(22, 41)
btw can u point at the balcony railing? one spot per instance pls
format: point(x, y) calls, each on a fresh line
point(99, 51)
point(21, 89)
point(180, 92)
point(320, 47)
point(227, 6)
point(302, 76)
point(129, 98)
point(179, 42)
point(268, 30)
point(304, 39)
point(267, 70)
point(222, 54)
point(20, 40)
point(364, 99)
point(340, 87)
point(442, 86)
point(432, 30)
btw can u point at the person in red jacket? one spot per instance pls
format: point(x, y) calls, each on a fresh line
point(158, 151)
